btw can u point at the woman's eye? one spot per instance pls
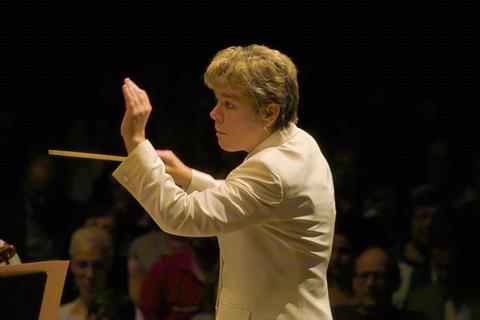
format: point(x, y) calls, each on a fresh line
point(227, 104)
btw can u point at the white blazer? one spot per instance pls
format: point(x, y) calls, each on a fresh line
point(273, 215)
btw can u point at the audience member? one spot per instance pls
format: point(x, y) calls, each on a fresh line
point(83, 174)
point(438, 170)
point(128, 217)
point(182, 285)
point(104, 217)
point(340, 268)
point(44, 206)
point(381, 215)
point(469, 193)
point(453, 292)
point(376, 278)
point(413, 252)
point(144, 251)
point(91, 261)
point(346, 175)
point(111, 305)
point(100, 216)
point(113, 209)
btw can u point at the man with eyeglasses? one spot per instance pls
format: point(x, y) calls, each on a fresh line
point(376, 277)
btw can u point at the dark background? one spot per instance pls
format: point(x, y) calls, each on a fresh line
point(385, 78)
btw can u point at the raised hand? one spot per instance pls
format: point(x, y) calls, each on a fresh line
point(137, 111)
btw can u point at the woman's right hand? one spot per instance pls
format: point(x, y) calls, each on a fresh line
point(181, 173)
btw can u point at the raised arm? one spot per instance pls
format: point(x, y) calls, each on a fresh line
point(137, 111)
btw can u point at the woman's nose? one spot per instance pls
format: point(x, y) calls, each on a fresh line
point(214, 112)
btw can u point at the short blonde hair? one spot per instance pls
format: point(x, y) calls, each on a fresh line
point(264, 74)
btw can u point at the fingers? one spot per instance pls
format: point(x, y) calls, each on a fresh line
point(164, 153)
point(167, 156)
point(135, 97)
point(128, 93)
point(133, 86)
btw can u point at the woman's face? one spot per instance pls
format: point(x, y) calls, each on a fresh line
point(237, 125)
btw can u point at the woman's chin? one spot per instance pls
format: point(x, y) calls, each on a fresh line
point(226, 147)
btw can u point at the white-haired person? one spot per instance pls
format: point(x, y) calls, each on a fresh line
point(273, 215)
point(91, 260)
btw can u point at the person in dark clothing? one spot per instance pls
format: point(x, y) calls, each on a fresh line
point(376, 277)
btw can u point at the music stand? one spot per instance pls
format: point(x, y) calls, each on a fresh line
point(32, 291)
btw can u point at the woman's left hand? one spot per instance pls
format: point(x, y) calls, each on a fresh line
point(137, 111)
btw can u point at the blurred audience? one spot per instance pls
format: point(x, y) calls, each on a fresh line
point(469, 193)
point(105, 218)
point(182, 285)
point(144, 251)
point(111, 305)
point(346, 174)
point(91, 262)
point(340, 268)
point(452, 294)
point(120, 259)
point(376, 277)
point(413, 252)
point(44, 205)
point(438, 170)
point(381, 215)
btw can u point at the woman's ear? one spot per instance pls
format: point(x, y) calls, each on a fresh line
point(270, 114)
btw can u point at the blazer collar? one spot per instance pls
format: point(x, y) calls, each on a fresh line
point(276, 139)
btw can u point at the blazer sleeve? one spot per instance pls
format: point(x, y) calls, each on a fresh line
point(248, 195)
point(201, 181)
